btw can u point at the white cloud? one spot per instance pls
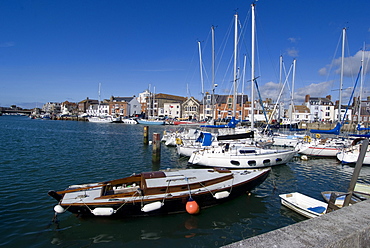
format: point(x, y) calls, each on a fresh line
point(351, 65)
point(292, 52)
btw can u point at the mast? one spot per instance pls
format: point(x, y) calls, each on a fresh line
point(235, 61)
point(341, 76)
point(201, 76)
point(252, 68)
point(292, 96)
point(213, 73)
point(242, 98)
point(280, 81)
point(99, 100)
point(361, 84)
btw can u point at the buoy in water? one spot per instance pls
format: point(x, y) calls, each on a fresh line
point(192, 206)
point(304, 157)
point(59, 209)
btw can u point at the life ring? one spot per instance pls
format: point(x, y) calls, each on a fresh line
point(178, 141)
point(318, 136)
point(307, 138)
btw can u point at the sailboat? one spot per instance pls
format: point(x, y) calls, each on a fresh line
point(237, 155)
point(100, 118)
point(328, 147)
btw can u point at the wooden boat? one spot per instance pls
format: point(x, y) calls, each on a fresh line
point(362, 191)
point(158, 192)
point(341, 196)
point(304, 205)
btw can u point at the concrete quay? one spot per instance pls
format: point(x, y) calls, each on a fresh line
point(346, 227)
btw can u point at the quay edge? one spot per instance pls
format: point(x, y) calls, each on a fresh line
point(346, 227)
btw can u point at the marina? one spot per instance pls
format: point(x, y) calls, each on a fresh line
point(38, 156)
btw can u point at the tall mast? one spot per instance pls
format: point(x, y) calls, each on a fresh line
point(280, 81)
point(242, 98)
point(201, 75)
point(252, 68)
point(235, 61)
point(292, 96)
point(341, 75)
point(213, 73)
point(361, 84)
point(99, 99)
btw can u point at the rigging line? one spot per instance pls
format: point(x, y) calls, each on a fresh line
point(349, 102)
point(333, 59)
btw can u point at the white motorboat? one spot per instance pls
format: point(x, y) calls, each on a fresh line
point(100, 119)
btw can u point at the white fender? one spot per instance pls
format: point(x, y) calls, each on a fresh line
point(221, 195)
point(59, 209)
point(152, 206)
point(103, 211)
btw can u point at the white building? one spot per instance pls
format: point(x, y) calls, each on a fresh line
point(321, 108)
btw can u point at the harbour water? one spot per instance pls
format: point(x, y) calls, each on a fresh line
point(39, 155)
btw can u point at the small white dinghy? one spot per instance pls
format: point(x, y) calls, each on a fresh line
point(304, 205)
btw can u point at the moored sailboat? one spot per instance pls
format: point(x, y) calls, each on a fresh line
point(158, 192)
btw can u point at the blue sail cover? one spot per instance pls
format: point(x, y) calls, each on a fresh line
point(359, 128)
point(231, 124)
point(335, 130)
point(205, 139)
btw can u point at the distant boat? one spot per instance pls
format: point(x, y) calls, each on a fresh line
point(129, 121)
point(100, 119)
point(150, 122)
point(158, 192)
point(303, 204)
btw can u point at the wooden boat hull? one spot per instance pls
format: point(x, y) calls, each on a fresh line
point(164, 200)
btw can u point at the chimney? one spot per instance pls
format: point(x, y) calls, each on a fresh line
point(307, 98)
point(328, 97)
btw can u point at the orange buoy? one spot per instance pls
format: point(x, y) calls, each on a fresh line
point(192, 207)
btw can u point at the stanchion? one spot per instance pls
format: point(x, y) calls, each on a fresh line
point(156, 143)
point(146, 135)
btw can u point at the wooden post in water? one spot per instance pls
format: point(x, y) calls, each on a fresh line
point(146, 135)
point(156, 143)
point(356, 172)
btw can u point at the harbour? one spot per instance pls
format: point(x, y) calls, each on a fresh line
point(38, 156)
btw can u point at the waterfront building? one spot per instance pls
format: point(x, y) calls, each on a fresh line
point(124, 106)
point(172, 110)
point(69, 108)
point(154, 104)
point(101, 109)
point(190, 109)
point(84, 105)
point(321, 108)
point(361, 112)
point(52, 108)
point(223, 108)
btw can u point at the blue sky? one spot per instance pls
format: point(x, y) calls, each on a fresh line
point(61, 50)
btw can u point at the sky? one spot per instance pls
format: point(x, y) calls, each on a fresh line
point(55, 51)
